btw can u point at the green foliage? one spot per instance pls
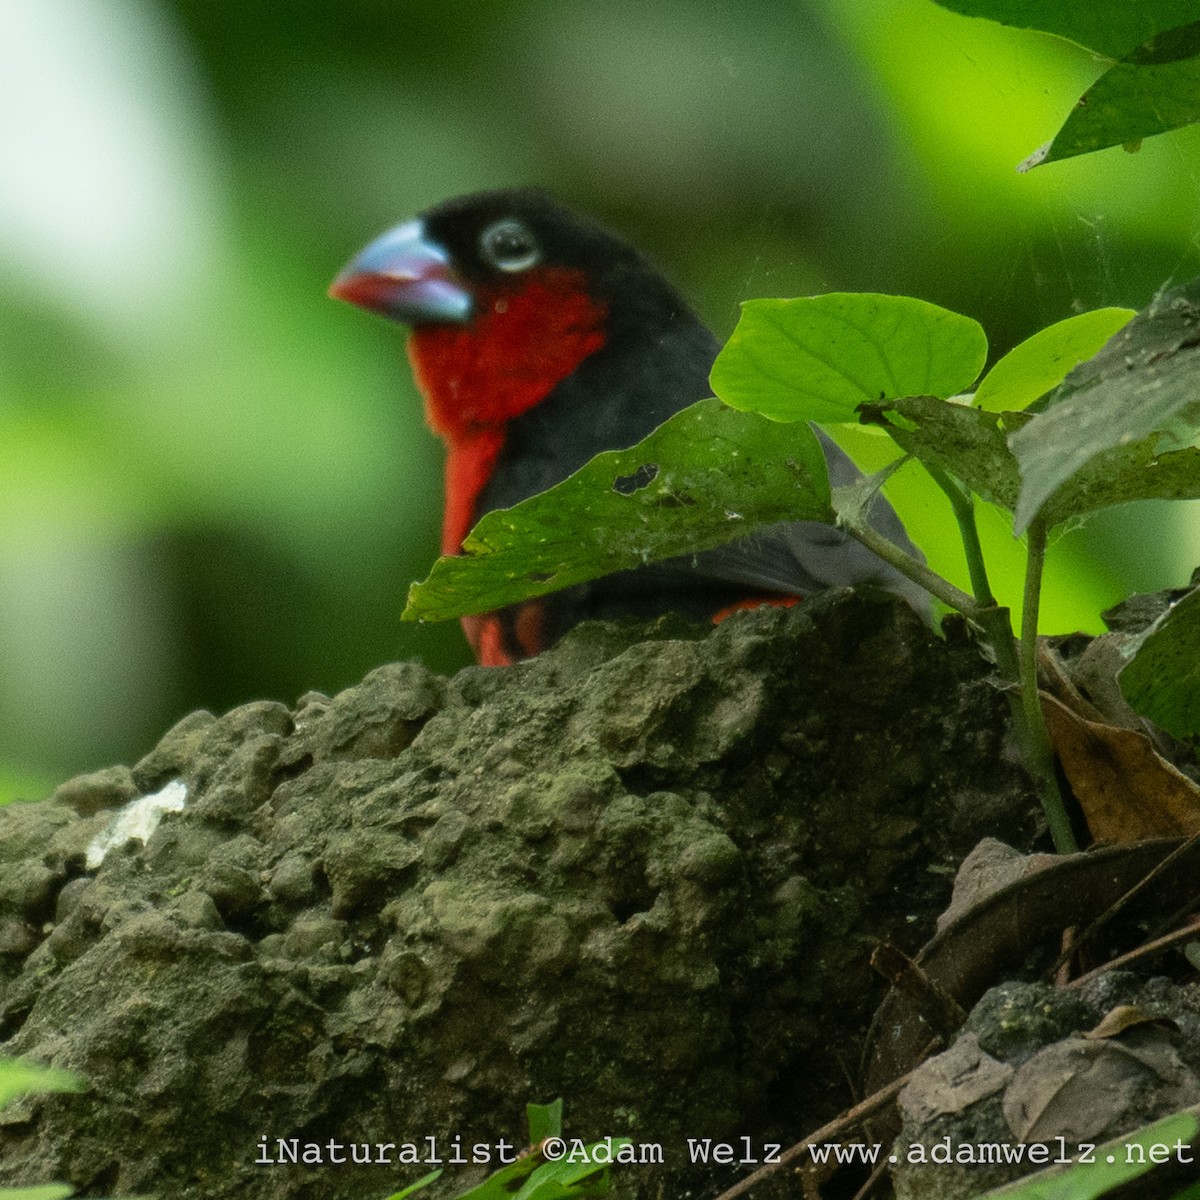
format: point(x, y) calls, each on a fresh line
point(1111, 416)
point(1102, 437)
point(1162, 680)
point(217, 484)
point(1111, 1168)
point(702, 478)
point(420, 1185)
point(1154, 90)
point(537, 1176)
point(1109, 27)
point(710, 475)
point(978, 448)
point(1031, 369)
point(545, 1121)
point(818, 357)
point(1153, 87)
point(21, 1078)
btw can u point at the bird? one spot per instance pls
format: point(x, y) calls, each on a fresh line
point(538, 339)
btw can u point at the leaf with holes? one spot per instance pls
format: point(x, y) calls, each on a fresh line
point(818, 358)
point(705, 477)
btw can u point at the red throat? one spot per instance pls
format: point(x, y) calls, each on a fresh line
point(476, 378)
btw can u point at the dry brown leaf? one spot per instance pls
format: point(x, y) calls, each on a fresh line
point(1128, 792)
point(1087, 1091)
point(993, 937)
point(951, 1082)
point(1125, 1016)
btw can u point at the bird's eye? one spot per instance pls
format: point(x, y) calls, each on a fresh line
point(509, 246)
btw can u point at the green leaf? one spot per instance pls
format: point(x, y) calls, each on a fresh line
point(421, 1183)
point(531, 1176)
point(968, 442)
point(1162, 680)
point(21, 1078)
point(569, 1180)
point(1029, 370)
point(974, 446)
point(47, 1191)
point(545, 1121)
point(704, 477)
point(19, 784)
point(817, 358)
point(1156, 89)
point(1139, 387)
point(1124, 474)
point(1111, 1168)
point(1110, 27)
point(506, 1183)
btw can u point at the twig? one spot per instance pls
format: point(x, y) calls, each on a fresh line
point(1062, 969)
point(1122, 901)
point(868, 1187)
point(937, 1008)
point(826, 1133)
point(1144, 950)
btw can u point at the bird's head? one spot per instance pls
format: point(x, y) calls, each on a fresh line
point(507, 294)
point(447, 265)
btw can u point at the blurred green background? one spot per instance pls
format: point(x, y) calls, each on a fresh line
point(216, 485)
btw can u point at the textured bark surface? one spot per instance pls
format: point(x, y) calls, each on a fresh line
point(643, 872)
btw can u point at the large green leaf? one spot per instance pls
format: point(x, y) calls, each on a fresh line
point(1110, 27)
point(1162, 680)
point(1154, 90)
point(704, 477)
point(1141, 385)
point(1041, 362)
point(817, 358)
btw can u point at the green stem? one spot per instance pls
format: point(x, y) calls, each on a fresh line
point(963, 505)
point(1016, 667)
point(1035, 557)
point(1041, 754)
point(993, 619)
point(908, 566)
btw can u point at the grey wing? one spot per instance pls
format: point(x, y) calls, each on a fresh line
point(805, 556)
